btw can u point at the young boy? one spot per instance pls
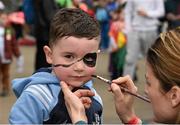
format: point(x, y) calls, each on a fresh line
point(72, 51)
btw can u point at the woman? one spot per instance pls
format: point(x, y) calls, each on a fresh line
point(162, 88)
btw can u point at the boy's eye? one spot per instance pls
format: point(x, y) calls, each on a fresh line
point(89, 58)
point(69, 56)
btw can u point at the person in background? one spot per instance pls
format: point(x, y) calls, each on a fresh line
point(117, 45)
point(18, 19)
point(141, 20)
point(64, 3)
point(162, 86)
point(91, 6)
point(83, 6)
point(8, 48)
point(172, 15)
point(72, 52)
point(44, 11)
point(102, 15)
point(113, 5)
point(28, 9)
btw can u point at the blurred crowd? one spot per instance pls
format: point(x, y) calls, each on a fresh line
point(128, 28)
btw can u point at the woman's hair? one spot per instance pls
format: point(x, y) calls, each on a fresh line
point(164, 58)
point(73, 22)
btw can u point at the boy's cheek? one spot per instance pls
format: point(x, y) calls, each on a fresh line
point(92, 71)
point(60, 73)
point(63, 74)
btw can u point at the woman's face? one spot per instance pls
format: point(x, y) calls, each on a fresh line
point(160, 100)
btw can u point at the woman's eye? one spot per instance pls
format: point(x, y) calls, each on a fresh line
point(147, 83)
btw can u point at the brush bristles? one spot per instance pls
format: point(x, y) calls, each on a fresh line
point(101, 78)
point(94, 76)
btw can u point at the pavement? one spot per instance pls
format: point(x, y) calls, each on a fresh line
point(142, 109)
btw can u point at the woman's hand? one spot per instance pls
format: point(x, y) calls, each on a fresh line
point(123, 100)
point(76, 102)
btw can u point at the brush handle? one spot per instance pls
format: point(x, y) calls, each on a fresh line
point(123, 88)
point(135, 94)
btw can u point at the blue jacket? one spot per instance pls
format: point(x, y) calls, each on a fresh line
point(40, 100)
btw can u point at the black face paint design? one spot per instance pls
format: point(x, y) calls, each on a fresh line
point(89, 59)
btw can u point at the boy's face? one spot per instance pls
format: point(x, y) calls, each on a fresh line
point(67, 51)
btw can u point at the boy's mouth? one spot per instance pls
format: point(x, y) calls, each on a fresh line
point(79, 77)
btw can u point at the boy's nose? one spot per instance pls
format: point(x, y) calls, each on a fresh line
point(79, 66)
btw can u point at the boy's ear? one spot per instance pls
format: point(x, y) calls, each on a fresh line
point(175, 96)
point(48, 54)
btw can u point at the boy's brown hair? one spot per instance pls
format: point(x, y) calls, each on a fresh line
point(73, 22)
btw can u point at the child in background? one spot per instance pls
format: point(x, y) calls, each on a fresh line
point(102, 15)
point(117, 43)
point(8, 48)
point(72, 51)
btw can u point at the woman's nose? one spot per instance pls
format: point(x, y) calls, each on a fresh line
point(145, 90)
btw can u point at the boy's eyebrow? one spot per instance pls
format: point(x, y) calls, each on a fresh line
point(73, 53)
point(96, 51)
point(68, 53)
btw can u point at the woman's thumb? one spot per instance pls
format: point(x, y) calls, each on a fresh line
point(64, 87)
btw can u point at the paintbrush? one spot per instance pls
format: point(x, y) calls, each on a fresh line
point(123, 88)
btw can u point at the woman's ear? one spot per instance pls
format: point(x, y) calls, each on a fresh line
point(175, 96)
point(48, 54)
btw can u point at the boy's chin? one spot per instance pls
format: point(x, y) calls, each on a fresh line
point(75, 85)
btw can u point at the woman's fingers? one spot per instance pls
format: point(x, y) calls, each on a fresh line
point(86, 102)
point(127, 82)
point(116, 90)
point(65, 88)
point(84, 93)
point(74, 104)
point(123, 101)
